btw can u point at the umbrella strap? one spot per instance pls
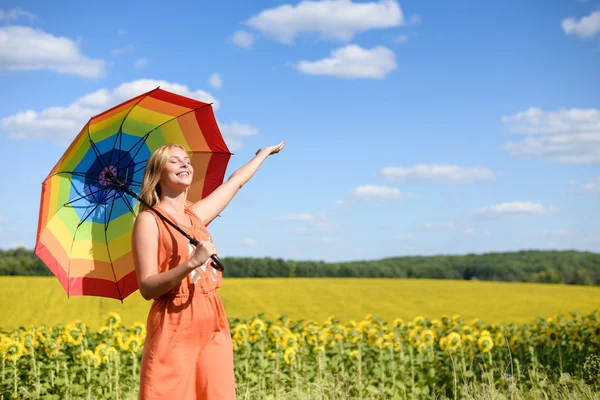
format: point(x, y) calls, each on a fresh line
point(216, 263)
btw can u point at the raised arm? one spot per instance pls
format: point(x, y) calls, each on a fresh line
point(212, 205)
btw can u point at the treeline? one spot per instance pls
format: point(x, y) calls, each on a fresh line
point(570, 267)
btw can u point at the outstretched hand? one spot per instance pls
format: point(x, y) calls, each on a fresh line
point(272, 149)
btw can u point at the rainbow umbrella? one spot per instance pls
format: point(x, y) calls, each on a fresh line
point(89, 201)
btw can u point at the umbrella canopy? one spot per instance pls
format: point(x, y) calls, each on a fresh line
point(85, 221)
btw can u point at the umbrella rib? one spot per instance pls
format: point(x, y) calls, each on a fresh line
point(135, 105)
point(181, 115)
point(142, 139)
point(127, 203)
point(94, 209)
point(82, 197)
point(79, 174)
point(95, 148)
point(113, 147)
point(120, 135)
point(125, 118)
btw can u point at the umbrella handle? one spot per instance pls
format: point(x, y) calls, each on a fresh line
point(216, 263)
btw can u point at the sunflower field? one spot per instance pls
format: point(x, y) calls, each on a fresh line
point(284, 358)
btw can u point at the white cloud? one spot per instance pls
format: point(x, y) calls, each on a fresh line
point(141, 63)
point(215, 80)
point(15, 13)
point(401, 39)
point(564, 136)
point(414, 20)
point(234, 134)
point(243, 39)
point(327, 239)
point(439, 226)
point(339, 202)
point(62, 124)
point(249, 241)
point(306, 223)
point(296, 217)
point(586, 27)
point(438, 174)
point(353, 62)
point(514, 209)
point(122, 50)
point(370, 192)
point(403, 238)
point(590, 187)
point(333, 19)
point(26, 48)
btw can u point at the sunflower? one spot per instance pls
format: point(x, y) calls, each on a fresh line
point(353, 355)
point(86, 356)
point(132, 344)
point(354, 335)
point(52, 347)
point(365, 325)
point(290, 355)
point(96, 360)
point(514, 342)
point(106, 353)
point(467, 341)
point(553, 337)
point(466, 330)
point(113, 320)
point(29, 340)
point(453, 341)
point(339, 332)
point(80, 325)
point(499, 339)
point(427, 337)
point(435, 323)
point(290, 340)
point(118, 340)
point(276, 332)
point(398, 323)
point(320, 350)
point(443, 345)
point(139, 329)
point(258, 325)
point(414, 338)
point(12, 349)
point(73, 335)
point(485, 343)
point(484, 332)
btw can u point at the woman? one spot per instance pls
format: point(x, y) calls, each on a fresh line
point(188, 353)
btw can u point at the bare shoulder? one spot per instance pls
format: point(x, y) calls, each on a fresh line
point(145, 223)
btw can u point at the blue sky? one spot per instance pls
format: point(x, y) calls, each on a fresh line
point(411, 127)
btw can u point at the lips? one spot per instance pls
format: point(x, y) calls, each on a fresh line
point(185, 173)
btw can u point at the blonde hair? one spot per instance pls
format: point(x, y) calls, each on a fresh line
point(150, 191)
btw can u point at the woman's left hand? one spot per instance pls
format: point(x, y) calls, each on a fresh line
point(272, 149)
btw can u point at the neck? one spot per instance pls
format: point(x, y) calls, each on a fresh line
point(173, 202)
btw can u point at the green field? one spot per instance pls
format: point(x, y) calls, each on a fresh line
point(41, 300)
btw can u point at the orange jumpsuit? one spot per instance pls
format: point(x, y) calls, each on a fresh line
point(188, 352)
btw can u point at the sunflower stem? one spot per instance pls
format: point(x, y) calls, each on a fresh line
point(16, 382)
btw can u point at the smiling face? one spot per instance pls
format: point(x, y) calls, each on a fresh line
point(178, 171)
